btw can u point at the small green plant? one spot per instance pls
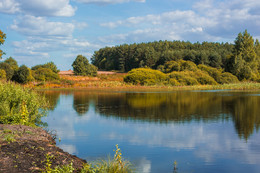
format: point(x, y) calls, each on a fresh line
point(48, 163)
point(9, 138)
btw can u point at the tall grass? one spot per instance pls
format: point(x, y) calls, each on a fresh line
point(112, 165)
point(19, 105)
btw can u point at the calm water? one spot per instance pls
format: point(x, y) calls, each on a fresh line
point(204, 131)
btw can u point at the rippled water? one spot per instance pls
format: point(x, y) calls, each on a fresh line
point(209, 131)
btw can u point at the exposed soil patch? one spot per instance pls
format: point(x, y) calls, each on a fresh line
point(25, 149)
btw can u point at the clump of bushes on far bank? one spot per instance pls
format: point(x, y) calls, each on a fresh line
point(20, 105)
point(180, 73)
point(145, 76)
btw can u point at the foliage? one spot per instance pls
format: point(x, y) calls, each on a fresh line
point(153, 54)
point(48, 65)
point(2, 74)
point(82, 67)
point(2, 40)
point(227, 78)
point(20, 106)
point(218, 75)
point(190, 78)
point(8, 70)
point(244, 62)
point(115, 165)
point(23, 75)
point(145, 76)
point(184, 78)
point(12, 62)
point(179, 65)
point(45, 74)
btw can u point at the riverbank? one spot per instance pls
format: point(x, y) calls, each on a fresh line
point(114, 81)
point(31, 149)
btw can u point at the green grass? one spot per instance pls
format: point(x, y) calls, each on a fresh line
point(111, 165)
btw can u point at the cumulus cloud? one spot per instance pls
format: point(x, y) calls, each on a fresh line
point(108, 1)
point(9, 6)
point(39, 26)
point(44, 37)
point(208, 20)
point(38, 7)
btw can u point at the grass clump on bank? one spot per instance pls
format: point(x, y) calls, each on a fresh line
point(115, 165)
point(19, 105)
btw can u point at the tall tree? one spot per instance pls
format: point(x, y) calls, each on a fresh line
point(244, 63)
point(2, 40)
point(82, 67)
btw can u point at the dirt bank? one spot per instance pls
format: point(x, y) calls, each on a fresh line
point(26, 149)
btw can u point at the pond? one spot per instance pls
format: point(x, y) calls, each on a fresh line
point(203, 131)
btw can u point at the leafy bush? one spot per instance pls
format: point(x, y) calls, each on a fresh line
point(2, 74)
point(48, 65)
point(191, 78)
point(204, 79)
point(145, 76)
point(23, 75)
point(227, 78)
point(171, 66)
point(188, 66)
point(218, 75)
point(45, 74)
point(184, 78)
point(8, 70)
point(174, 82)
point(20, 106)
point(180, 65)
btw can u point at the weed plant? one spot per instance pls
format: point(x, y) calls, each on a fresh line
point(115, 165)
point(19, 105)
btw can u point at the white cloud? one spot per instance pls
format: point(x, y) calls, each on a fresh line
point(39, 26)
point(45, 38)
point(9, 6)
point(208, 20)
point(108, 1)
point(38, 7)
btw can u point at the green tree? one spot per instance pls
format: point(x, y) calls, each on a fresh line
point(82, 67)
point(12, 62)
point(2, 40)
point(45, 74)
point(8, 70)
point(244, 63)
point(48, 65)
point(22, 75)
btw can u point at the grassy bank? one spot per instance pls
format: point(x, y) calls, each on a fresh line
point(115, 82)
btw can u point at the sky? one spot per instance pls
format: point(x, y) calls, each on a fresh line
point(40, 31)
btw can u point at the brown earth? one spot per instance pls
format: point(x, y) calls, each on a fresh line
point(25, 149)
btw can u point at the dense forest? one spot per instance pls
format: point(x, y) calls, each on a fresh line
point(126, 57)
point(242, 58)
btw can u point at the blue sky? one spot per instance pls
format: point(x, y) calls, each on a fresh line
point(58, 30)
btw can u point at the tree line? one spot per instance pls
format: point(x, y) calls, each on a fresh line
point(242, 58)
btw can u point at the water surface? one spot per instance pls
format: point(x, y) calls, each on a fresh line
point(212, 131)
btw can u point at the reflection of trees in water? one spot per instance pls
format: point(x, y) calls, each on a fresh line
point(184, 107)
point(246, 114)
point(52, 97)
point(81, 103)
point(171, 107)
